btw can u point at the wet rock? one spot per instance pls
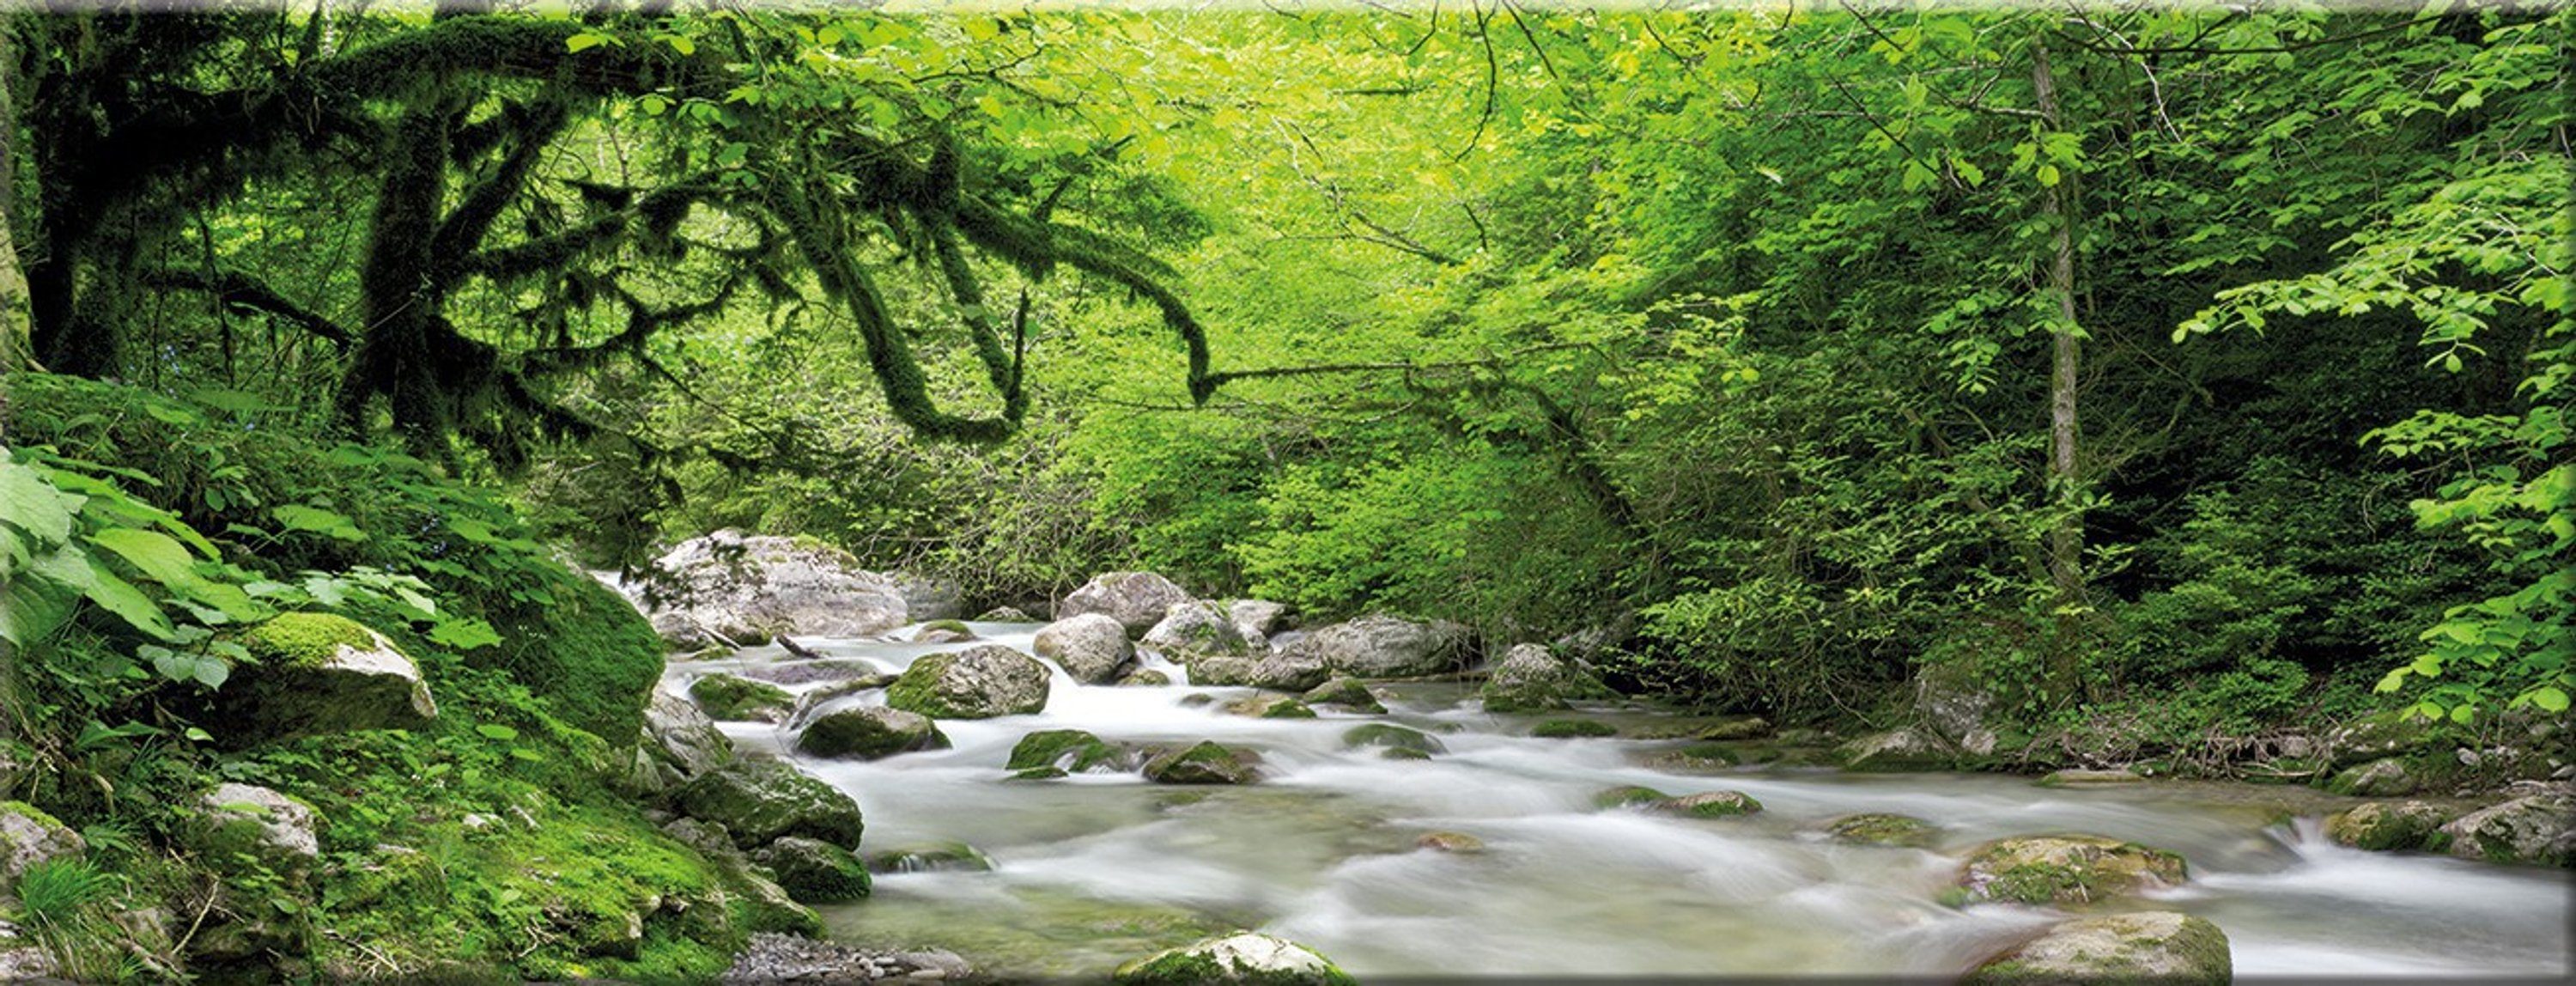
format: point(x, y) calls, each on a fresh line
point(1348, 693)
point(28, 837)
point(1005, 614)
point(747, 590)
point(1709, 804)
point(1196, 630)
point(780, 960)
point(1457, 842)
point(1737, 728)
point(943, 632)
point(1627, 796)
point(727, 698)
point(316, 673)
point(825, 670)
point(1957, 707)
point(1390, 737)
point(1386, 647)
point(1137, 600)
point(1267, 707)
point(680, 739)
point(869, 732)
point(2382, 825)
point(2072, 869)
point(976, 683)
point(813, 871)
point(758, 801)
point(769, 907)
point(1573, 729)
point(1092, 647)
point(930, 598)
point(2381, 778)
point(1144, 678)
point(1069, 750)
point(1241, 957)
point(247, 821)
point(1531, 679)
point(2153, 946)
point(1701, 757)
point(1208, 762)
point(1901, 749)
point(941, 857)
point(1883, 829)
point(2089, 778)
point(2539, 829)
point(1257, 619)
point(1287, 670)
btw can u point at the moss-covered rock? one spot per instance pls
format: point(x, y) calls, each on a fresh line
point(935, 857)
point(2385, 777)
point(731, 699)
point(278, 832)
point(1241, 957)
point(869, 732)
point(1267, 707)
point(1573, 729)
point(316, 673)
point(2382, 825)
point(1198, 629)
point(1883, 829)
point(943, 632)
point(2538, 829)
point(2147, 947)
point(1530, 678)
point(1207, 762)
point(582, 648)
point(1709, 804)
point(2065, 870)
point(758, 801)
point(1458, 842)
point(1628, 796)
point(28, 836)
point(1346, 692)
point(2389, 733)
point(1390, 737)
point(813, 871)
point(975, 683)
point(1070, 750)
point(1896, 750)
point(2077, 777)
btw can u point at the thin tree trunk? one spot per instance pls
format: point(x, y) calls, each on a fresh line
point(2066, 538)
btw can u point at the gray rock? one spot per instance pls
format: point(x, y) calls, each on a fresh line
point(1207, 762)
point(729, 698)
point(2381, 778)
point(929, 597)
point(1137, 600)
point(1005, 614)
point(1900, 749)
point(28, 837)
point(1092, 647)
point(1349, 693)
point(757, 801)
point(777, 960)
point(677, 734)
point(244, 819)
point(1709, 804)
point(1384, 647)
point(1240, 957)
point(2066, 869)
point(1193, 630)
point(813, 871)
point(869, 732)
point(746, 590)
point(771, 909)
point(1530, 679)
point(2385, 825)
point(975, 683)
point(1956, 707)
point(1293, 670)
point(942, 857)
point(2539, 828)
point(1257, 619)
point(2152, 946)
point(1388, 736)
point(317, 673)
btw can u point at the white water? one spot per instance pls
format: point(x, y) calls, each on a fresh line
point(1096, 869)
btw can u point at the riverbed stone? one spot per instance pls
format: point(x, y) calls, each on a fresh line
point(1628, 796)
point(1267, 707)
point(727, 698)
point(1958, 706)
point(1092, 647)
point(813, 871)
point(1386, 647)
point(2065, 869)
point(678, 744)
point(975, 683)
point(930, 598)
point(758, 801)
point(1457, 842)
point(944, 632)
point(1242, 957)
point(869, 732)
point(936, 857)
point(1530, 678)
point(1709, 804)
point(1070, 750)
point(29, 836)
point(1883, 829)
point(318, 673)
point(1207, 762)
point(2143, 947)
point(751, 589)
point(1257, 619)
point(1285, 670)
point(1137, 600)
point(1895, 750)
point(2078, 777)
point(2538, 829)
point(2381, 778)
point(1573, 729)
point(778, 959)
point(1346, 692)
point(1005, 614)
point(2391, 825)
point(1390, 737)
point(1197, 629)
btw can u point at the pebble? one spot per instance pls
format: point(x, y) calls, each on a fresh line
point(783, 959)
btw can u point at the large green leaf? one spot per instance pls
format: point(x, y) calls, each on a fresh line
point(328, 523)
point(34, 505)
point(120, 597)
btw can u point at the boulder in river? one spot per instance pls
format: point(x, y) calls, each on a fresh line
point(758, 801)
point(1390, 737)
point(1242, 957)
point(1005, 614)
point(1069, 750)
point(1883, 829)
point(1207, 762)
point(1257, 619)
point(1196, 629)
point(943, 632)
point(1137, 600)
point(28, 836)
point(1457, 842)
point(1349, 693)
point(1092, 647)
point(2391, 825)
point(1266, 707)
point(1573, 729)
point(2539, 828)
point(727, 698)
point(314, 673)
point(2144, 947)
point(930, 598)
point(940, 857)
point(2385, 777)
point(813, 871)
point(1287, 670)
point(1895, 750)
point(1530, 678)
point(1386, 647)
point(869, 732)
point(1709, 804)
point(2065, 869)
point(1627, 796)
point(678, 744)
point(747, 590)
point(975, 683)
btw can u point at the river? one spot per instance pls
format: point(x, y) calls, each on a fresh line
point(1095, 869)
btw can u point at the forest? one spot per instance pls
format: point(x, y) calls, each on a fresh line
point(2167, 390)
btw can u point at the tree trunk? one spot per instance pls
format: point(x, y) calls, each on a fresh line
point(2066, 536)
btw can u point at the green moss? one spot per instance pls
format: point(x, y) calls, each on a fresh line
point(1573, 729)
point(1287, 708)
point(1882, 829)
point(306, 640)
point(34, 814)
point(1391, 737)
point(1713, 804)
point(734, 699)
point(815, 872)
point(950, 626)
point(1207, 762)
point(1062, 749)
point(1626, 795)
point(583, 649)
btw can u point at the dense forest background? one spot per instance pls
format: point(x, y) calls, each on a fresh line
point(2168, 372)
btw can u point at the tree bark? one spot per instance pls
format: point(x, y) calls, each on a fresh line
point(2066, 536)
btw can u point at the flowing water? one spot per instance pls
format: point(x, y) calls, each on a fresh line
point(1096, 869)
